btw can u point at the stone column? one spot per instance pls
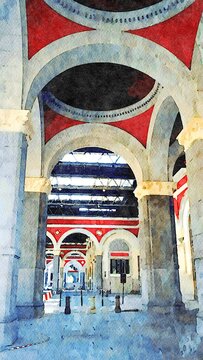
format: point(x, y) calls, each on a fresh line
point(159, 261)
point(192, 139)
point(32, 262)
point(56, 269)
point(98, 272)
point(14, 125)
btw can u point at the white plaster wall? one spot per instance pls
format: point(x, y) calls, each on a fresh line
point(10, 55)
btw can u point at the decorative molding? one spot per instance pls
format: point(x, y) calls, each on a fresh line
point(154, 188)
point(37, 184)
point(102, 116)
point(193, 131)
point(126, 20)
point(180, 190)
point(16, 121)
point(179, 175)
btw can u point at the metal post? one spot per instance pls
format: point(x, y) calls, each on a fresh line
point(117, 304)
point(102, 297)
point(123, 295)
point(67, 308)
point(81, 297)
point(60, 298)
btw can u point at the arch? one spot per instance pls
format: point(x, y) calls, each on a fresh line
point(161, 125)
point(121, 234)
point(134, 251)
point(11, 59)
point(50, 265)
point(74, 251)
point(175, 151)
point(120, 20)
point(34, 151)
point(118, 245)
point(75, 263)
point(93, 116)
point(98, 135)
point(51, 237)
point(197, 66)
point(123, 48)
point(81, 231)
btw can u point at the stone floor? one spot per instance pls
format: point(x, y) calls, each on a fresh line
point(129, 335)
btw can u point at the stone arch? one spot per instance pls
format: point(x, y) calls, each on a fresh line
point(34, 151)
point(121, 234)
point(175, 151)
point(81, 231)
point(52, 238)
point(75, 263)
point(74, 251)
point(118, 245)
point(161, 126)
point(125, 49)
point(134, 251)
point(98, 135)
point(197, 66)
point(126, 20)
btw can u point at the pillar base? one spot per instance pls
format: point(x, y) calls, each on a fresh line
point(160, 309)
point(8, 333)
point(166, 309)
point(179, 308)
point(200, 324)
point(30, 311)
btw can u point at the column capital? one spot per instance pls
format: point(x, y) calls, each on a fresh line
point(193, 131)
point(16, 121)
point(98, 252)
point(38, 184)
point(56, 252)
point(154, 188)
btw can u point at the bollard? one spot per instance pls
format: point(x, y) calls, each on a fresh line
point(67, 308)
point(118, 306)
point(81, 297)
point(92, 309)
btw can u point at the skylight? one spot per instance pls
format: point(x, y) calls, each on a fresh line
point(93, 158)
point(93, 182)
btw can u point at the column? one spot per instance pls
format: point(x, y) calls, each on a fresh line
point(33, 242)
point(56, 269)
point(14, 125)
point(61, 274)
point(98, 271)
point(159, 261)
point(191, 138)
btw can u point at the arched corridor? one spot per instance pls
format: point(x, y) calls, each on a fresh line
point(101, 150)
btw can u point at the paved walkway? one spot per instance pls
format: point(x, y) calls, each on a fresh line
point(131, 302)
point(105, 335)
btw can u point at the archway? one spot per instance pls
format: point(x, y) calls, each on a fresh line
point(97, 46)
point(104, 189)
point(121, 253)
point(97, 135)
